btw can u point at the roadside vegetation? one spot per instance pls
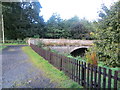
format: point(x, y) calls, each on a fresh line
point(89, 58)
point(50, 71)
point(2, 47)
point(107, 34)
point(14, 42)
point(105, 31)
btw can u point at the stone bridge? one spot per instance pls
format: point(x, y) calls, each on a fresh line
point(73, 50)
point(73, 47)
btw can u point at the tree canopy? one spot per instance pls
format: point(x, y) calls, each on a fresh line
point(73, 28)
point(21, 19)
point(108, 35)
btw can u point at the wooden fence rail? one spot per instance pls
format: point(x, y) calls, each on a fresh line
point(85, 74)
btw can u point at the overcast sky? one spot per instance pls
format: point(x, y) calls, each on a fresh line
point(70, 8)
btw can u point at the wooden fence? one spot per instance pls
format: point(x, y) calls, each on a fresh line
point(85, 74)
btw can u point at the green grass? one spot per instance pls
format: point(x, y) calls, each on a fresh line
point(50, 71)
point(14, 44)
point(2, 47)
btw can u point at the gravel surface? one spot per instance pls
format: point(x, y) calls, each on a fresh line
point(18, 71)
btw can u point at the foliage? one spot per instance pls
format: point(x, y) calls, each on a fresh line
point(55, 76)
point(78, 31)
point(28, 23)
point(108, 36)
point(79, 28)
point(55, 27)
point(71, 28)
point(21, 19)
point(92, 58)
point(40, 44)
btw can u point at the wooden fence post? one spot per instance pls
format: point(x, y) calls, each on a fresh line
point(79, 72)
point(104, 77)
point(109, 78)
point(88, 66)
point(60, 63)
point(95, 77)
point(70, 68)
point(74, 70)
point(115, 79)
point(91, 81)
point(99, 77)
point(83, 74)
point(50, 57)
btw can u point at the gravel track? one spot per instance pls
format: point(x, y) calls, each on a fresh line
point(19, 72)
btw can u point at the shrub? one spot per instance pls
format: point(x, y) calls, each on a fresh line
point(108, 33)
point(40, 44)
point(92, 58)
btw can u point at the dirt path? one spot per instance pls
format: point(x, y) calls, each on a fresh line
point(18, 71)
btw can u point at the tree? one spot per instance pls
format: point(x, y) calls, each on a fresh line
point(22, 20)
point(35, 23)
point(78, 31)
point(9, 22)
point(108, 36)
point(79, 28)
point(72, 28)
point(55, 27)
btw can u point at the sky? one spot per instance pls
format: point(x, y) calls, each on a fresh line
point(69, 8)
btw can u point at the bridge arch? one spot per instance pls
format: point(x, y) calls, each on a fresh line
point(79, 51)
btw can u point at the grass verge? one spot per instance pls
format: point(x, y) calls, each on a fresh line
point(2, 47)
point(14, 44)
point(50, 71)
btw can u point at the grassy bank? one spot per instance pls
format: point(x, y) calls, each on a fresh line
point(50, 71)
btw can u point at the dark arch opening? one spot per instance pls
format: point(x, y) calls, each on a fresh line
point(79, 52)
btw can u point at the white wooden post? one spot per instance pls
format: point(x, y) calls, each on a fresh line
point(3, 37)
point(29, 41)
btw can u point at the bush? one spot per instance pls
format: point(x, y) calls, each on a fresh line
point(40, 44)
point(91, 58)
point(107, 32)
point(108, 53)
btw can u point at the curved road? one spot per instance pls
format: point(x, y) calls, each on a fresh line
point(18, 71)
